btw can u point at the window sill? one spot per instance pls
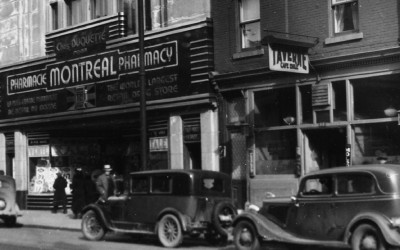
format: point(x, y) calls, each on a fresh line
point(248, 53)
point(344, 38)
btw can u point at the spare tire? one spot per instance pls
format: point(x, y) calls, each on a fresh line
point(222, 217)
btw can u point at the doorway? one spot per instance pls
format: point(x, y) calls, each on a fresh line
point(324, 148)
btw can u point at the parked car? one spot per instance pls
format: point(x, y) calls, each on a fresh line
point(168, 203)
point(356, 206)
point(9, 210)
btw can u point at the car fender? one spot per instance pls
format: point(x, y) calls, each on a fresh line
point(265, 228)
point(99, 211)
point(184, 220)
point(390, 234)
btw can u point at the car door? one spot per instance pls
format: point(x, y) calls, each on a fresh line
point(312, 216)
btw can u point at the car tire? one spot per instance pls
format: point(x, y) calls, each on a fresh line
point(366, 236)
point(10, 221)
point(245, 236)
point(92, 228)
point(224, 208)
point(169, 231)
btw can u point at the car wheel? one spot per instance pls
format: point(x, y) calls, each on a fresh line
point(367, 237)
point(10, 221)
point(92, 227)
point(223, 215)
point(169, 231)
point(245, 236)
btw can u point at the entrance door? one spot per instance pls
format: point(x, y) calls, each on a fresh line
point(324, 148)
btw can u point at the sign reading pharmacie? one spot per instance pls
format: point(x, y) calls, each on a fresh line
point(283, 58)
point(99, 80)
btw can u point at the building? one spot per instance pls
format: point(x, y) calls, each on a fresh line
point(306, 85)
point(70, 89)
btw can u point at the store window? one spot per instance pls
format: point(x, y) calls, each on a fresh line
point(376, 143)
point(345, 16)
point(376, 97)
point(275, 107)
point(276, 152)
point(158, 145)
point(339, 101)
point(306, 104)
point(75, 12)
point(250, 23)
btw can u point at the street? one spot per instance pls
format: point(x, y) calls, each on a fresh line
point(32, 238)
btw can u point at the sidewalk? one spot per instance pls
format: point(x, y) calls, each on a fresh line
point(46, 219)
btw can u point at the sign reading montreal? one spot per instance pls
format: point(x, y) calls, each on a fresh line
point(97, 68)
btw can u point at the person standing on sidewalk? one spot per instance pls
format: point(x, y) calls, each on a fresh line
point(104, 184)
point(60, 197)
point(78, 193)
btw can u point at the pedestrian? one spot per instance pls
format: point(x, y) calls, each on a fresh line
point(78, 193)
point(104, 184)
point(91, 194)
point(60, 197)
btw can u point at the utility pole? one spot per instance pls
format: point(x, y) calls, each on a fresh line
point(142, 75)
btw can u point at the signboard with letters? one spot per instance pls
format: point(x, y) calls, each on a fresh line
point(282, 58)
point(103, 79)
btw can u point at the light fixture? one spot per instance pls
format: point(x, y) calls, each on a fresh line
point(289, 120)
point(390, 111)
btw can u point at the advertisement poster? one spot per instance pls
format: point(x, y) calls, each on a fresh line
point(43, 181)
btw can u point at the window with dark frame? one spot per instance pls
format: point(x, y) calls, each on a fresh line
point(75, 12)
point(249, 23)
point(54, 15)
point(98, 8)
point(345, 16)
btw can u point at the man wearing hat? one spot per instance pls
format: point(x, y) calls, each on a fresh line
point(104, 183)
point(60, 197)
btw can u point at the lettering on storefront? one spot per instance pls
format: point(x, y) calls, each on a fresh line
point(98, 68)
point(284, 59)
point(192, 133)
point(157, 144)
point(31, 105)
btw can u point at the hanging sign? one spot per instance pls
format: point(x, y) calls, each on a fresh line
point(285, 59)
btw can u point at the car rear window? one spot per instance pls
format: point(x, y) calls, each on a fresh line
point(357, 183)
point(4, 184)
point(212, 184)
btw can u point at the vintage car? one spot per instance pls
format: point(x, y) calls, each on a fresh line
point(168, 203)
point(357, 207)
point(9, 210)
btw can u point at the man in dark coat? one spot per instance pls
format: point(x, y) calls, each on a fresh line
point(78, 193)
point(60, 197)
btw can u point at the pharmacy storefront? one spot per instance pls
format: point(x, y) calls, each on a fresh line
point(79, 106)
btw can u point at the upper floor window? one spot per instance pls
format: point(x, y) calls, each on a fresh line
point(75, 12)
point(54, 15)
point(98, 8)
point(345, 15)
point(250, 23)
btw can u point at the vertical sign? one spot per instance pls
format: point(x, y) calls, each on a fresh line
point(348, 155)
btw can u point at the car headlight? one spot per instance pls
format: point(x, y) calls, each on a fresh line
point(395, 222)
point(2, 204)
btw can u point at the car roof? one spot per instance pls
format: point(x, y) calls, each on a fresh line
point(195, 172)
point(372, 168)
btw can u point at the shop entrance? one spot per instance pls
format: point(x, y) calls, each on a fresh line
point(324, 148)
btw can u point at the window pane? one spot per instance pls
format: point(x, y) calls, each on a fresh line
point(272, 106)
point(345, 17)
point(129, 9)
point(54, 16)
point(376, 143)
point(356, 184)
point(251, 35)
point(140, 185)
point(306, 109)
point(249, 10)
point(276, 152)
point(161, 184)
point(317, 186)
point(339, 101)
point(385, 91)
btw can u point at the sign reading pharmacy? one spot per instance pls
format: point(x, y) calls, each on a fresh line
point(97, 68)
point(285, 59)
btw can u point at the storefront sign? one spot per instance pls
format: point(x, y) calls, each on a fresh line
point(158, 144)
point(334, 2)
point(192, 133)
point(39, 151)
point(102, 67)
point(81, 42)
point(284, 59)
point(348, 154)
